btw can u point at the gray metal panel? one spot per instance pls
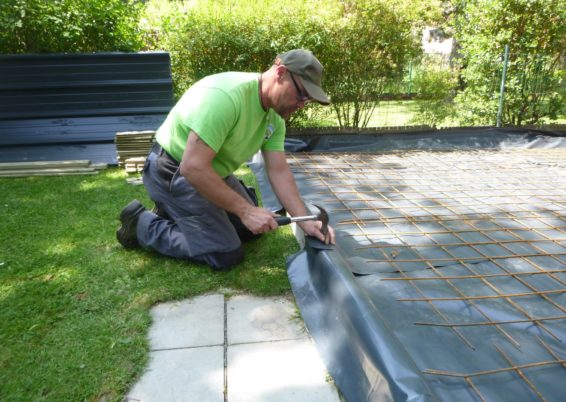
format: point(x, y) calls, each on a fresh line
point(66, 85)
point(83, 100)
point(96, 153)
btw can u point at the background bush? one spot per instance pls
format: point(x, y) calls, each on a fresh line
point(52, 26)
point(362, 44)
point(434, 84)
point(209, 37)
point(536, 32)
point(365, 46)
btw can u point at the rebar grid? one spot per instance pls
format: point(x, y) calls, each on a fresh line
point(514, 201)
point(512, 367)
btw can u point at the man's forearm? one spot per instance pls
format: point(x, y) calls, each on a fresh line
point(285, 188)
point(196, 168)
point(283, 184)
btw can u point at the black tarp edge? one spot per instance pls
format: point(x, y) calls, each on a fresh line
point(351, 336)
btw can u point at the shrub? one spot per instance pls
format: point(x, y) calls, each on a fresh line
point(361, 44)
point(535, 32)
point(370, 44)
point(206, 37)
point(39, 26)
point(434, 85)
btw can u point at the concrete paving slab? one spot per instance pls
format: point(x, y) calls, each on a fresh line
point(182, 375)
point(189, 323)
point(270, 357)
point(262, 319)
point(280, 371)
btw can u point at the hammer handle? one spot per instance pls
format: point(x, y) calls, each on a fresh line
point(285, 220)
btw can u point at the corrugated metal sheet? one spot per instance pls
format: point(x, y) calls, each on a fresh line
point(80, 98)
point(68, 85)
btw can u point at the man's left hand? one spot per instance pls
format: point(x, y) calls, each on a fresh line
point(313, 228)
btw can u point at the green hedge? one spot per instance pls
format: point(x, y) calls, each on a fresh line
point(362, 44)
point(69, 26)
point(365, 46)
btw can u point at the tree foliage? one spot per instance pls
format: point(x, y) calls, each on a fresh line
point(40, 26)
point(434, 85)
point(369, 44)
point(365, 46)
point(361, 44)
point(536, 34)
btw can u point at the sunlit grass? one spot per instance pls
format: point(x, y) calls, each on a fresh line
point(74, 305)
point(396, 113)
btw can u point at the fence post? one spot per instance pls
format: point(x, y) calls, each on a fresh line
point(410, 86)
point(502, 89)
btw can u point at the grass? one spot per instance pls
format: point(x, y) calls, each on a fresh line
point(401, 113)
point(74, 305)
point(395, 113)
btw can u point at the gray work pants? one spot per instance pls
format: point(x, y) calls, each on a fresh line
point(196, 229)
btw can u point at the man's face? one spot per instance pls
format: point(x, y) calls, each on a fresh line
point(291, 95)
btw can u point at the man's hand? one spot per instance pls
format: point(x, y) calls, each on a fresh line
point(258, 220)
point(285, 189)
point(313, 228)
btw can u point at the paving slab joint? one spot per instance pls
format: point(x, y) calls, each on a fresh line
point(225, 390)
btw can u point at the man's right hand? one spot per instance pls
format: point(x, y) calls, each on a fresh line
point(258, 220)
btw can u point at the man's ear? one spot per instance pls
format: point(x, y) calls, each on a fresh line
point(280, 72)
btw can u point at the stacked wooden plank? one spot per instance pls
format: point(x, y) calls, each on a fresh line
point(132, 148)
point(134, 165)
point(49, 168)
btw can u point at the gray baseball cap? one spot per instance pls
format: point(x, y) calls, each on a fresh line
point(306, 66)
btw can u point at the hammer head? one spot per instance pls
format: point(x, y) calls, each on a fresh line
point(323, 217)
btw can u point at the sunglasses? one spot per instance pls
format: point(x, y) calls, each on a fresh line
point(301, 95)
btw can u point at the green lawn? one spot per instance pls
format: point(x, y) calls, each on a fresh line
point(74, 305)
point(393, 113)
point(398, 113)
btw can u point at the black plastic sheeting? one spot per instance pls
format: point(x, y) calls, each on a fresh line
point(95, 153)
point(449, 139)
point(477, 221)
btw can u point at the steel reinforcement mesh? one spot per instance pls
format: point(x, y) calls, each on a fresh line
point(463, 254)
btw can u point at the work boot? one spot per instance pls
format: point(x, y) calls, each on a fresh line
point(129, 217)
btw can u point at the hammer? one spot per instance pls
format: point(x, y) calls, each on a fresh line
point(321, 216)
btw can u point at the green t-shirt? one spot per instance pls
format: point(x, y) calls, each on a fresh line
point(226, 113)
